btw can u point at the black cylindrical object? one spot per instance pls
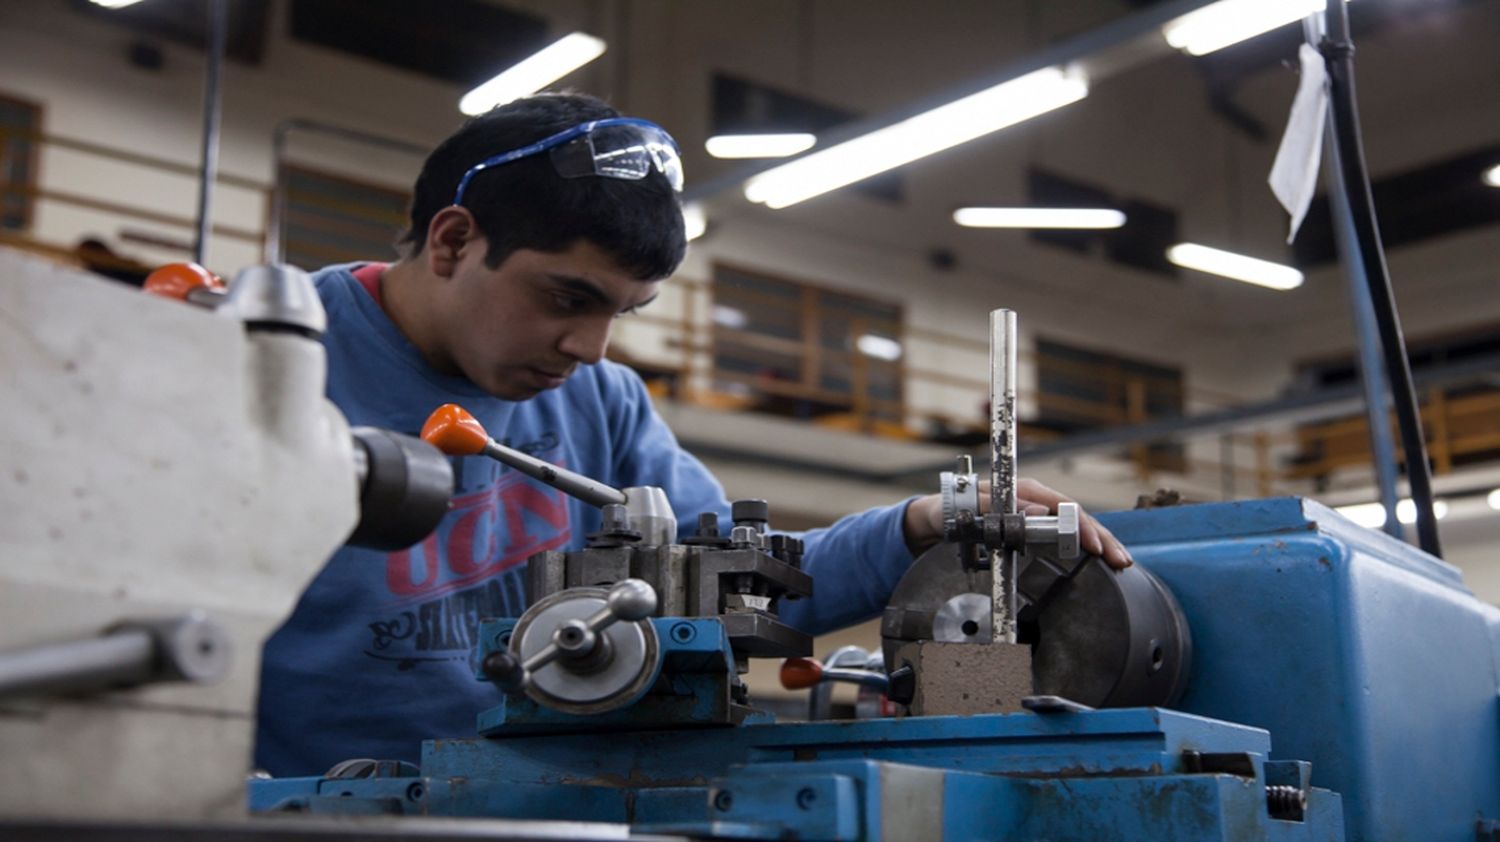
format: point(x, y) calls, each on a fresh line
point(404, 489)
point(1338, 52)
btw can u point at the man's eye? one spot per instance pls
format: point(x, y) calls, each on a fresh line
point(569, 303)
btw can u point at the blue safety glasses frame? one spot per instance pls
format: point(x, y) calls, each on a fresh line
point(618, 147)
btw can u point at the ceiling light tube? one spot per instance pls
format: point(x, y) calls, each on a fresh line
point(1369, 515)
point(759, 145)
point(1227, 22)
point(114, 4)
point(533, 74)
point(1372, 515)
point(1494, 499)
point(1039, 217)
point(1492, 176)
point(1251, 270)
point(917, 137)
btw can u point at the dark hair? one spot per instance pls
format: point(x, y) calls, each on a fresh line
point(525, 204)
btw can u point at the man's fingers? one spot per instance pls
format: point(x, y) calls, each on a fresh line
point(1034, 498)
point(1114, 553)
point(1034, 492)
point(1091, 540)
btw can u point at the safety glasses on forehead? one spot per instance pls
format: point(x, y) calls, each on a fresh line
point(619, 147)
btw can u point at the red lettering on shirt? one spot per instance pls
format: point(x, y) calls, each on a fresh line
point(465, 549)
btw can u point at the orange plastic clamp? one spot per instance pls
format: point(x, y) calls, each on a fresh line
point(800, 673)
point(451, 429)
point(176, 280)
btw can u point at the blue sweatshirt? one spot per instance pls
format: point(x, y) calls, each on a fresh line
point(377, 655)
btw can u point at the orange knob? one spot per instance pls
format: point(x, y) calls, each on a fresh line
point(176, 280)
point(800, 673)
point(451, 429)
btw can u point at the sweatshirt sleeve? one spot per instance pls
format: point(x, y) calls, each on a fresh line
point(855, 563)
point(647, 453)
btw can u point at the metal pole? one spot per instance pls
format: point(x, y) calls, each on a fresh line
point(271, 252)
point(1371, 369)
point(1003, 467)
point(121, 659)
point(1352, 181)
point(218, 29)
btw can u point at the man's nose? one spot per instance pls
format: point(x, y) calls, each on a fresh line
point(587, 342)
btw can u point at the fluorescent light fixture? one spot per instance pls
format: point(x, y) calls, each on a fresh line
point(759, 145)
point(916, 137)
point(1492, 176)
point(694, 220)
point(1406, 510)
point(1039, 217)
point(1369, 515)
point(1494, 499)
point(114, 4)
point(1372, 515)
point(1251, 270)
point(532, 74)
point(730, 317)
point(879, 347)
point(1215, 27)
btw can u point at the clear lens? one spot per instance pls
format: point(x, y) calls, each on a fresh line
point(625, 152)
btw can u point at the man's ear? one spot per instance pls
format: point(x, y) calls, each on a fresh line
point(451, 231)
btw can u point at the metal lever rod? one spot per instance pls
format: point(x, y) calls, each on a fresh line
point(588, 490)
point(1003, 467)
point(187, 648)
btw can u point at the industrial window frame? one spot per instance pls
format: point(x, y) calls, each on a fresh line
point(1134, 390)
point(26, 139)
point(352, 231)
point(823, 374)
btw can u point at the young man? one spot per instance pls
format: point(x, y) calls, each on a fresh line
point(533, 228)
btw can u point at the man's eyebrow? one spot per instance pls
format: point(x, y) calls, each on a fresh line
point(584, 287)
point(589, 289)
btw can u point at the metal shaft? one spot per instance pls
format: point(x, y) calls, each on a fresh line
point(588, 490)
point(218, 29)
point(121, 659)
point(1003, 466)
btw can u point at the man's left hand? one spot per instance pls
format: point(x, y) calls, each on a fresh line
point(924, 521)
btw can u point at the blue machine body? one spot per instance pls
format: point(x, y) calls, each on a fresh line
point(1357, 652)
point(1328, 658)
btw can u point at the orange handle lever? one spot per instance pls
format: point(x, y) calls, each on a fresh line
point(800, 673)
point(451, 429)
point(176, 280)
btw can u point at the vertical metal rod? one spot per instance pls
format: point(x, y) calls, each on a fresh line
point(1350, 179)
point(218, 34)
point(276, 215)
point(1370, 365)
point(1003, 467)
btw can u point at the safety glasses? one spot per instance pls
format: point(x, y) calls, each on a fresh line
point(619, 147)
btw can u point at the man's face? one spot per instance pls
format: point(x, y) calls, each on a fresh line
point(524, 326)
